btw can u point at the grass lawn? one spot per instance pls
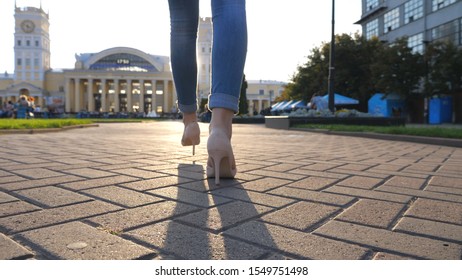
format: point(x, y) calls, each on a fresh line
point(442, 132)
point(40, 123)
point(57, 123)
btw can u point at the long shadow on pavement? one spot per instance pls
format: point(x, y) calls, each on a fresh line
point(199, 235)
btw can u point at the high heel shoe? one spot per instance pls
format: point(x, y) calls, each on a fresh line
point(221, 161)
point(191, 135)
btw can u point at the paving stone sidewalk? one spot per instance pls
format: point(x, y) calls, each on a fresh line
point(131, 191)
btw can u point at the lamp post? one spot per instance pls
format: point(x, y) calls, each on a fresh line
point(332, 63)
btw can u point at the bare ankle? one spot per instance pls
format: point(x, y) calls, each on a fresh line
point(222, 119)
point(189, 118)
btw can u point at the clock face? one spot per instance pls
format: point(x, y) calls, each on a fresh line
point(27, 26)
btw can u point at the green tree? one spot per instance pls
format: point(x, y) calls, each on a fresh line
point(243, 104)
point(444, 68)
point(398, 69)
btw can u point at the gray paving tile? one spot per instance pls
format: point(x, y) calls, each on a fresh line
point(200, 199)
point(361, 182)
point(27, 184)
point(196, 244)
point(37, 173)
point(7, 198)
point(450, 232)
point(420, 193)
point(121, 196)
point(155, 183)
point(78, 241)
point(302, 215)
point(375, 213)
point(436, 211)
point(265, 184)
point(89, 173)
point(51, 196)
point(314, 196)
point(141, 216)
point(37, 219)
point(224, 216)
point(16, 208)
point(12, 250)
point(99, 182)
point(372, 194)
point(295, 242)
point(384, 240)
point(253, 197)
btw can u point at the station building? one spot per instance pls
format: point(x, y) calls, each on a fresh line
point(115, 80)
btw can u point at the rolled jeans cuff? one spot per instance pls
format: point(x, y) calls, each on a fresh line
point(187, 108)
point(221, 100)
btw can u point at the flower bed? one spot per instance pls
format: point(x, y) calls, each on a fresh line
point(346, 117)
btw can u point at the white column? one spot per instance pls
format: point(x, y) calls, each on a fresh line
point(103, 95)
point(91, 98)
point(141, 96)
point(77, 95)
point(154, 96)
point(166, 97)
point(116, 96)
point(67, 89)
point(129, 96)
point(259, 105)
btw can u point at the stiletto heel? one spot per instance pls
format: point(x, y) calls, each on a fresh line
point(191, 136)
point(221, 159)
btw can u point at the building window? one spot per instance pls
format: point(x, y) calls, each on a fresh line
point(37, 43)
point(28, 43)
point(27, 61)
point(371, 4)
point(19, 62)
point(413, 10)
point(372, 29)
point(450, 31)
point(36, 61)
point(391, 20)
point(439, 4)
point(416, 43)
point(19, 43)
point(261, 92)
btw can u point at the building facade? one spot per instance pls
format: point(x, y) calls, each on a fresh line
point(114, 80)
point(261, 94)
point(421, 21)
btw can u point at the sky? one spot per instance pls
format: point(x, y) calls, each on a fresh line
point(281, 33)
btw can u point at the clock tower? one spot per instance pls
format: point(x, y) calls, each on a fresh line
point(31, 45)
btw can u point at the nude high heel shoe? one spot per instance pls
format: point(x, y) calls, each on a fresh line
point(221, 162)
point(191, 135)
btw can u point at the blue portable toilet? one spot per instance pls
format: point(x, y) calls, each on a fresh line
point(386, 105)
point(440, 110)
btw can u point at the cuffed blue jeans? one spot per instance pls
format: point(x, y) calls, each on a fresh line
point(229, 50)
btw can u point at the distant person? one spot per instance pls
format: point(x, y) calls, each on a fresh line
point(318, 103)
point(22, 107)
point(229, 52)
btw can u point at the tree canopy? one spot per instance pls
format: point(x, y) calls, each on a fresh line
point(365, 67)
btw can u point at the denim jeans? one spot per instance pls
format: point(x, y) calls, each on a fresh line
point(229, 50)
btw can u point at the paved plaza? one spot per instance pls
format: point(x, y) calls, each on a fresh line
point(131, 191)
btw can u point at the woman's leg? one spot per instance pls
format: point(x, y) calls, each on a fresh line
point(229, 52)
point(184, 20)
point(228, 58)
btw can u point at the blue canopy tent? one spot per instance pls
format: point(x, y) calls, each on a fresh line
point(342, 100)
point(286, 106)
point(298, 104)
point(276, 106)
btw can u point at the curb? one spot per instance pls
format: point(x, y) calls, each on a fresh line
point(456, 143)
point(45, 130)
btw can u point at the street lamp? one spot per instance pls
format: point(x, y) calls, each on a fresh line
point(332, 63)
